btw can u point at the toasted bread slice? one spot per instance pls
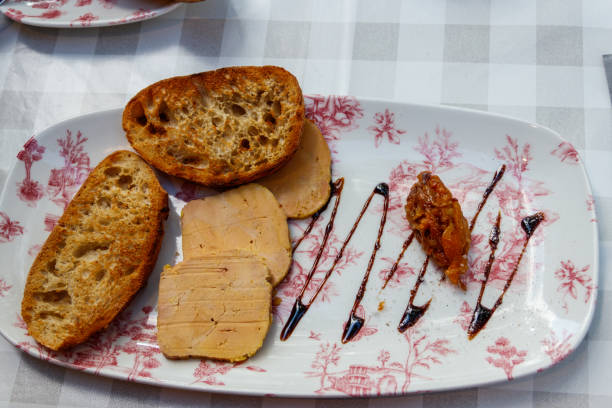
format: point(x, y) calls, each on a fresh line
point(218, 128)
point(246, 218)
point(98, 255)
point(214, 306)
point(302, 185)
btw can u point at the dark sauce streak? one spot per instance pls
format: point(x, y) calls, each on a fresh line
point(482, 314)
point(297, 312)
point(336, 189)
point(413, 313)
point(407, 243)
point(496, 177)
point(355, 323)
point(300, 308)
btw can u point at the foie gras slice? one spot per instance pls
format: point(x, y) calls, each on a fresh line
point(247, 218)
point(214, 306)
point(302, 186)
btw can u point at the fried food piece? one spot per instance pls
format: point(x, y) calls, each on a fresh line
point(439, 225)
point(214, 306)
point(302, 185)
point(246, 218)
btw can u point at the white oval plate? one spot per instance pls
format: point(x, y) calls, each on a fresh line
point(84, 13)
point(544, 316)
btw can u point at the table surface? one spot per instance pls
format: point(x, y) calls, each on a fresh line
point(536, 60)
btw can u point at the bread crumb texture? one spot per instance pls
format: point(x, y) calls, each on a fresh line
point(98, 255)
point(218, 128)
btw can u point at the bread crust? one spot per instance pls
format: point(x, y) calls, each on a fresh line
point(99, 254)
point(218, 128)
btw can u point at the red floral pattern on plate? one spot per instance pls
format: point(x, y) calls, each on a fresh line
point(291, 286)
point(65, 181)
point(403, 270)
point(570, 278)
point(557, 348)
point(85, 20)
point(590, 204)
point(9, 229)
point(30, 191)
point(566, 153)
point(505, 356)
point(385, 127)
point(18, 15)
point(383, 378)
point(126, 335)
point(4, 287)
point(332, 115)
point(465, 316)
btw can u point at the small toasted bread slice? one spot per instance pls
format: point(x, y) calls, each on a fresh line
point(214, 306)
point(246, 218)
point(98, 255)
point(302, 185)
point(218, 128)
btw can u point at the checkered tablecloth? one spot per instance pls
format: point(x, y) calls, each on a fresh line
point(536, 60)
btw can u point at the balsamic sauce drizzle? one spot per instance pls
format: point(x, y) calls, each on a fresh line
point(482, 314)
point(413, 313)
point(354, 322)
point(407, 243)
point(496, 177)
point(300, 308)
point(335, 189)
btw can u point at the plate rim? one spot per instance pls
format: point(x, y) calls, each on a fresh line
point(39, 22)
point(579, 337)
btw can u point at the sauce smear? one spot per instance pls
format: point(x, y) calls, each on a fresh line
point(354, 322)
point(482, 314)
point(300, 308)
point(413, 313)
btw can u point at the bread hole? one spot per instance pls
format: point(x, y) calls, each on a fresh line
point(238, 110)
point(263, 140)
point(244, 143)
point(276, 108)
point(269, 118)
point(252, 130)
point(88, 250)
point(129, 270)
point(216, 121)
point(156, 130)
point(50, 315)
point(274, 142)
point(124, 182)
point(163, 112)
point(193, 160)
point(269, 102)
point(112, 171)
point(187, 142)
point(104, 202)
point(100, 273)
point(54, 296)
point(139, 114)
point(259, 95)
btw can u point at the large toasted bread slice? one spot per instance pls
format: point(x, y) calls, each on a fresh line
point(218, 128)
point(98, 255)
